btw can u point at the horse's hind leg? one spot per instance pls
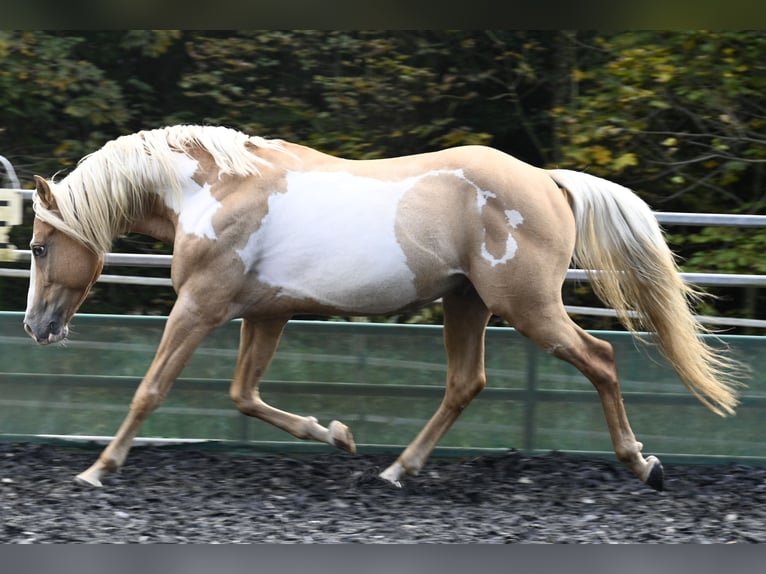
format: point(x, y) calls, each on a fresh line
point(552, 329)
point(258, 342)
point(465, 320)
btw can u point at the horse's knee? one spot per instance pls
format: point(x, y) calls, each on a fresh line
point(461, 391)
point(145, 401)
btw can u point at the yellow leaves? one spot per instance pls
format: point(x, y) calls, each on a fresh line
point(604, 157)
point(464, 136)
point(62, 83)
point(152, 43)
point(558, 111)
point(600, 155)
point(625, 160)
point(664, 74)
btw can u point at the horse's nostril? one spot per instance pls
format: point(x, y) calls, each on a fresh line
point(53, 327)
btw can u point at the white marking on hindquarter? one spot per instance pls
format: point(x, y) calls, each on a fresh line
point(197, 205)
point(331, 237)
point(481, 196)
point(514, 219)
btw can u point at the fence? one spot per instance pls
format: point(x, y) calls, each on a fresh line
point(383, 380)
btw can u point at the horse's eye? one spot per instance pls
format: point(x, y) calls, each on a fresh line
point(38, 250)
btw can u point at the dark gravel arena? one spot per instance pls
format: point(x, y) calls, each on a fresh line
point(199, 494)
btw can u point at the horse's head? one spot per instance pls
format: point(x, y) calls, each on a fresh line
point(62, 273)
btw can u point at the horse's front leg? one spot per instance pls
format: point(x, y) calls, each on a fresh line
point(258, 342)
point(184, 331)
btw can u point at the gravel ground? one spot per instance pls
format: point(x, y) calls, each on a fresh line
point(184, 494)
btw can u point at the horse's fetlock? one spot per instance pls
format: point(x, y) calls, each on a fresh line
point(110, 464)
point(628, 454)
point(245, 405)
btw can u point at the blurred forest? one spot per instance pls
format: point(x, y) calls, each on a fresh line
point(679, 117)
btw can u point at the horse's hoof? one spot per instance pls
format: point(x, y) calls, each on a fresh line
point(392, 474)
point(396, 485)
point(341, 437)
point(656, 476)
point(83, 480)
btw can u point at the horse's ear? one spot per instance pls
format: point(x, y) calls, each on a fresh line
point(44, 193)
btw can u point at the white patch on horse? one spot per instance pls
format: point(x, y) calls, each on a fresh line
point(32, 283)
point(331, 237)
point(197, 210)
point(197, 205)
point(481, 195)
point(514, 219)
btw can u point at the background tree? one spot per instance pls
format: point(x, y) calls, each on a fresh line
point(679, 117)
point(54, 106)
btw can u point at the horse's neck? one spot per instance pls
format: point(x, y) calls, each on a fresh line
point(158, 222)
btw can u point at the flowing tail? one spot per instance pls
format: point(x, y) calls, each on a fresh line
point(618, 234)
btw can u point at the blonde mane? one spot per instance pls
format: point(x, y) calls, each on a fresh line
point(110, 188)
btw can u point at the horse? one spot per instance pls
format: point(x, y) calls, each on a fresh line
point(264, 229)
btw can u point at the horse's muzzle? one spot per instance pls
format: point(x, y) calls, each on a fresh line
point(51, 332)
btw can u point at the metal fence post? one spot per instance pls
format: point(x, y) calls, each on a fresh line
point(530, 401)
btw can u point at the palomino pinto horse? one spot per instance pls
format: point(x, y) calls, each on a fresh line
point(265, 229)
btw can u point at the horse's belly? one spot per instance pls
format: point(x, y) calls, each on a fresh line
point(324, 241)
point(345, 285)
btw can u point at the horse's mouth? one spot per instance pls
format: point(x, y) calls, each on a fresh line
point(53, 333)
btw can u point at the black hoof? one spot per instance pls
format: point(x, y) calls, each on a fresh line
point(656, 478)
